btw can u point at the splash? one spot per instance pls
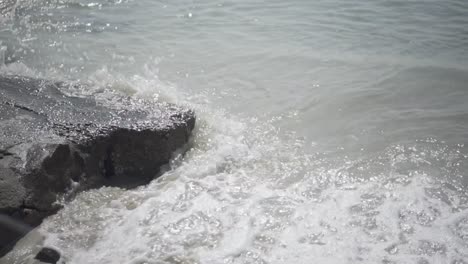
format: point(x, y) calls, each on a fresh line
point(245, 193)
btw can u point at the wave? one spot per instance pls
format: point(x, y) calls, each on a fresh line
point(246, 193)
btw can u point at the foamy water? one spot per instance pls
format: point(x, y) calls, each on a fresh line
point(328, 131)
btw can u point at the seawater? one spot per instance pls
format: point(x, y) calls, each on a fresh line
point(328, 131)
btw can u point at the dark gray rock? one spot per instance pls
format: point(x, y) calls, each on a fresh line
point(48, 255)
point(53, 145)
point(11, 230)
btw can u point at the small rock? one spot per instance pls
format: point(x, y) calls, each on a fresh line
point(48, 255)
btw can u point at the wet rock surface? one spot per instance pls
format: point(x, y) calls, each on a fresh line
point(53, 145)
point(48, 255)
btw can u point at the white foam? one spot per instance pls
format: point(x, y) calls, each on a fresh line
point(243, 194)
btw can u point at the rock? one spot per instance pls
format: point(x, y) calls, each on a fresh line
point(11, 231)
point(48, 255)
point(53, 144)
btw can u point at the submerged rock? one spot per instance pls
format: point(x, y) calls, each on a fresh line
point(53, 144)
